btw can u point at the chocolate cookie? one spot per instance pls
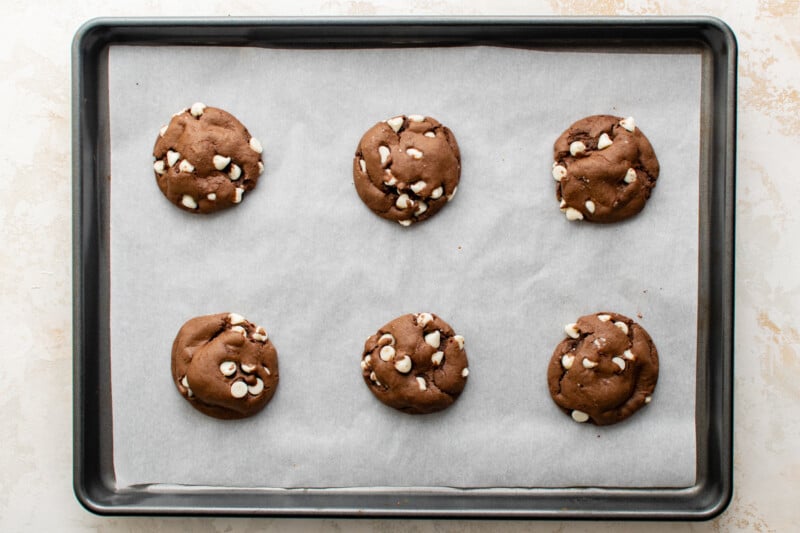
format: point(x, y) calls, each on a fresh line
point(407, 168)
point(605, 169)
point(225, 366)
point(206, 159)
point(415, 363)
point(605, 370)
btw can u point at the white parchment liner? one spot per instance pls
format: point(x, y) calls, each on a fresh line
point(303, 257)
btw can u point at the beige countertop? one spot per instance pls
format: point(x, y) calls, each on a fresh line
point(36, 463)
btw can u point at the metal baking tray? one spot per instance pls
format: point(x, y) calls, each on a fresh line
point(94, 482)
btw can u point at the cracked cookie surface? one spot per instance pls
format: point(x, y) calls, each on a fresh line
point(605, 168)
point(407, 168)
point(205, 159)
point(415, 363)
point(224, 365)
point(605, 370)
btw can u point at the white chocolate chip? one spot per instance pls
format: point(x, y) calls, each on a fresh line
point(403, 201)
point(211, 196)
point(429, 134)
point(416, 118)
point(596, 343)
point(421, 383)
point(162, 131)
point(630, 176)
point(433, 338)
point(627, 354)
point(418, 186)
point(384, 153)
point(623, 326)
point(413, 152)
point(259, 337)
point(628, 123)
point(235, 318)
point(220, 161)
point(386, 337)
point(648, 399)
point(260, 168)
point(270, 373)
point(185, 382)
point(185, 166)
point(452, 194)
point(239, 329)
point(403, 365)
point(437, 357)
point(172, 157)
point(579, 416)
point(576, 148)
point(256, 389)
point(603, 318)
point(237, 195)
point(247, 369)
point(239, 389)
point(373, 377)
point(604, 141)
point(197, 109)
point(460, 341)
point(588, 363)
point(465, 372)
point(562, 205)
point(235, 173)
point(158, 166)
point(368, 359)
point(391, 180)
point(363, 365)
point(573, 214)
point(422, 319)
point(405, 222)
point(255, 144)
point(572, 330)
point(559, 172)
point(437, 193)
point(421, 208)
point(589, 206)
point(619, 361)
point(188, 202)
point(395, 123)
point(387, 353)
point(567, 360)
point(363, 165)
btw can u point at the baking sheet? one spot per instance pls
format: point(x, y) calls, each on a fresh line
point(303, 257)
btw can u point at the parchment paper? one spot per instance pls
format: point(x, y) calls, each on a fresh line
point(306, 259)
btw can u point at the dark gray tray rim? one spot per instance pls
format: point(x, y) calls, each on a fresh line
point(93, 478)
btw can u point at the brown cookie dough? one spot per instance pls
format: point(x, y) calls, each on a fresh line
point(605, 370)
point(407, 168)
point(225, 366)
point(206, 160)
point(605, 169)
point(415, 363)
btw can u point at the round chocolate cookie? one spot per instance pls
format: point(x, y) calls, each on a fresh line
point(206, 159)
point(605, 370)
point(407, 168)
point(415, 363)
point(225, 366)
point(605, 169)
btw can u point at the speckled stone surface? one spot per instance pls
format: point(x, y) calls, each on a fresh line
point(36, 469)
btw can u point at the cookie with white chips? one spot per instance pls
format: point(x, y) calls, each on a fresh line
point(206, 160)
point(224, 365)
point(605, 169)
point(407, 168)
point(605, 370)
point(416, 363)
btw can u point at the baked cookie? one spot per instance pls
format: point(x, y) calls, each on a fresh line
point(206, 159)
point(415, 363)
point(407, 168)
point(605, 169)
point(605, 370)
point(225, 366)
